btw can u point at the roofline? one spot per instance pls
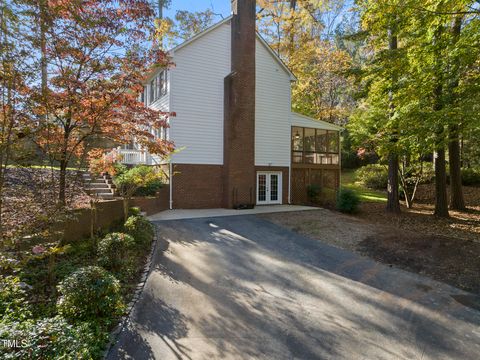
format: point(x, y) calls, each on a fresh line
point(277, 57)
point(336, 127)
point(200, 34)
point(217, 25)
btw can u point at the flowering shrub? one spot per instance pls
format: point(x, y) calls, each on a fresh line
point(90, 293)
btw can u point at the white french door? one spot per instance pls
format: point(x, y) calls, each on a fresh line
point(269, 188)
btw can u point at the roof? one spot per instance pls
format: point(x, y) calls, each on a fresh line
point(303, 121)
point(217, 25)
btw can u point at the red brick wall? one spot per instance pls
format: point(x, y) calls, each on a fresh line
point(285, 179)
point(153, 205)
point(197, 186)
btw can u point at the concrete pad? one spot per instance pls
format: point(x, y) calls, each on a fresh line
point(181, 214)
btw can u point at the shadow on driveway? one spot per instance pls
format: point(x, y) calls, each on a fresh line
point(242, 288)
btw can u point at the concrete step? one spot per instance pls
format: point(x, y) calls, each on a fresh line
point(105, 195)
point(97, 185)
point(100, 191)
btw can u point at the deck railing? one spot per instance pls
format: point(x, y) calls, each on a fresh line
point(133, 157)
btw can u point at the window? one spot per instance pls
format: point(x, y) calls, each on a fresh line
point(152, 91)
point(315, 146)
point(158, 86)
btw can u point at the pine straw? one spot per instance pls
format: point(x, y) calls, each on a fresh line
point(447, 250)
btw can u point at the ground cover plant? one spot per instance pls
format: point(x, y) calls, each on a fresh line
point(69, 308)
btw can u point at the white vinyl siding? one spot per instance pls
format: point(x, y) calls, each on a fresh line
point(272, 110)
point(197, 88)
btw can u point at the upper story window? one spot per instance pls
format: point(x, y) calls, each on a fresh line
point(315, 146)
point(158, 86)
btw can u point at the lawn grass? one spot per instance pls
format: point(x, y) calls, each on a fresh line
point(349, 181)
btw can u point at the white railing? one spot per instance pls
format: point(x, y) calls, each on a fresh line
point(133, 157)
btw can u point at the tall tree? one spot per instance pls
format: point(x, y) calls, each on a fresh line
point(382, 24)
point(456, 191)
point(97, 58)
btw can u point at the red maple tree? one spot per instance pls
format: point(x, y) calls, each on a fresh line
point(98, 53)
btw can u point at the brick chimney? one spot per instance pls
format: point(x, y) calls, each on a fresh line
point(239, 123)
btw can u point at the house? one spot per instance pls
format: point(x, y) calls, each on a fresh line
point(240, 144)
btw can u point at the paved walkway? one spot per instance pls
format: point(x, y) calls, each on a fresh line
point(244, 288)
point(206, 213)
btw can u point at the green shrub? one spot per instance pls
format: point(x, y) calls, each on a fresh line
point(134, 211)
point(374, 176)
point(113, 250)
point(90, 293)
point(150, 189)
point(139, 180)
point(471, 176)
point(140, 228)
point(347, 201)
point(13, 303)
point(313, 192)
point(51, 338)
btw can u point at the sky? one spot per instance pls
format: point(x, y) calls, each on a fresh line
point(218, 6)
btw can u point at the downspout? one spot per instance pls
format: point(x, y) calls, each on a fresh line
point(171, 185)
point(290, 181)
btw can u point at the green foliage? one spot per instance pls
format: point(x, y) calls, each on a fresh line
point(150, 189)
point(141, 229)
point(113, 250)
point(90, 293)
point(471, 176)
point(373, 176)
point(120, 168)
point(347, 201)
point(52, 338)
point(134, 211)
point(13, 299)
point(313, 192)
point(146, 177)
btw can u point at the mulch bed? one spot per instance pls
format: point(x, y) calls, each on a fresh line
point(30, 198)
point(445, 249)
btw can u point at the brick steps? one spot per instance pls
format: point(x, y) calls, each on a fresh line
point(101, 187)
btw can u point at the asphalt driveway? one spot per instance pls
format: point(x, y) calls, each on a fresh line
point(244, 288)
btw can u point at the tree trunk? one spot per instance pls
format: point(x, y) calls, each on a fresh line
point(126, 202)
point(393, 200)
point(42, 4)
point(62, 183)
point(441, 202)
point(456, 192)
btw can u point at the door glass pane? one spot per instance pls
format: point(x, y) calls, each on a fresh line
point(273, 187)
point(262, 187)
